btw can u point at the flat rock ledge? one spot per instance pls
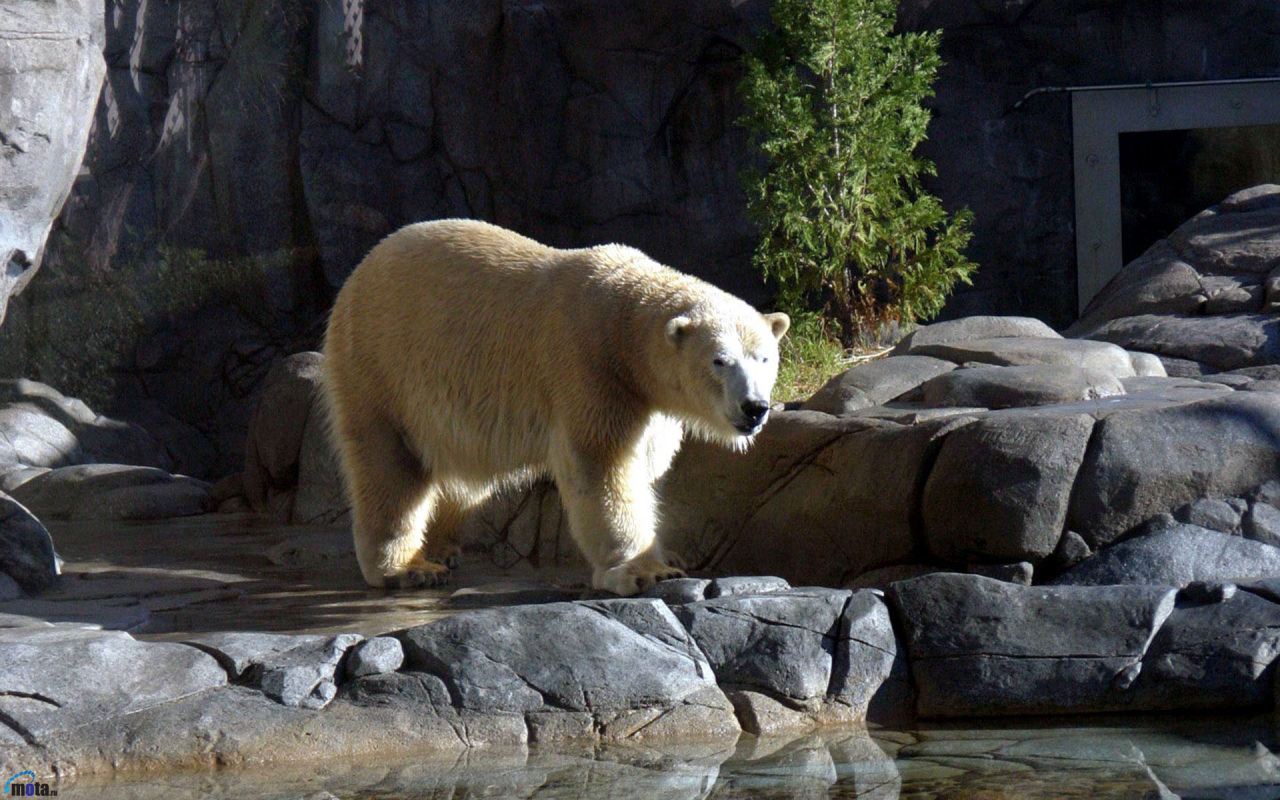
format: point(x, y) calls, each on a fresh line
point(758, 658)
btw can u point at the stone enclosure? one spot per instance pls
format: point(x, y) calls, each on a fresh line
point(990, 520)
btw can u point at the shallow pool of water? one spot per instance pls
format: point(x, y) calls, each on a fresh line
point(1142, 757)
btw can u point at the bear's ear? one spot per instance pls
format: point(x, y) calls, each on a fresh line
point(780, 323)
point(677, 329)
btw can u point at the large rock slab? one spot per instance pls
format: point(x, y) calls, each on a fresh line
point(874, 383)
point(977, 327)
point(1147, 461)
point(1175, 557)
point(1240, 240)
point(561, 657)
point(57, 678)
point(797, 504)
point(1001, 486)
point(26, 550)
point(1016, 352)
point(113, 491)
point(1224, 341)
point(1016, 387)
point(981, 647)
point(51, 71)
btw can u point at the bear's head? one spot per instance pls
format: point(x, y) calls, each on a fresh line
point(725, 361)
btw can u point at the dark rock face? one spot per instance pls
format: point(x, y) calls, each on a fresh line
point(26, 551)
point(979, 646)
point(51, 70)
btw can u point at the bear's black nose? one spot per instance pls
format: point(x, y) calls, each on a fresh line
point(754, 410)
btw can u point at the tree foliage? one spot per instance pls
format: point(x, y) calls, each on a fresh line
point(833, 99)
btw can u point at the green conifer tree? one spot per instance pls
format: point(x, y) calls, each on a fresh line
point(833, 99)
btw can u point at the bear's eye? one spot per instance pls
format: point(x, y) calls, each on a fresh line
point(719, 362)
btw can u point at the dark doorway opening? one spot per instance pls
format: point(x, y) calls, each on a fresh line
point(1167, 177)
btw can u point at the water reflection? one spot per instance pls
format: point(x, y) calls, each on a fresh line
point(1146, 757)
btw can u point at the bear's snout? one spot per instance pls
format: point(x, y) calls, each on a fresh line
point(754, 411)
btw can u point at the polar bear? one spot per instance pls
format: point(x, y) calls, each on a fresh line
point(461, 356)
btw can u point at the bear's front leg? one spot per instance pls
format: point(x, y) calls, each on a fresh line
point(613, 517)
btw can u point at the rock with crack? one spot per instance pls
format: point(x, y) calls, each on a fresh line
point(51, 71)
point(623, 666)
point(1175, 557)
point(292, 670)
point(805, 648)
point(797, 504)
point(980, 647)
point(58, 678)
point(26, 550)
point(1212, 656)
point(42, 428)
point(1001, 486)
point(277, 430)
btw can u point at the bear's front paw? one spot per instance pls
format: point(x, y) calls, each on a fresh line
point(634, 577)
point(418, 574)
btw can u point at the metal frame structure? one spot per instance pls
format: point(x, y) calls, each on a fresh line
point(1099, 114)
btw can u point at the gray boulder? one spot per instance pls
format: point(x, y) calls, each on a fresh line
point(679, 591)
point(1261, 523)
point(1013, 387)
point(26, 551)
point(978, 327)
point(1175, 557)
point(51, 71)
point(1146, 461)
point(1215, 514)
point(560, 656)
point(982, 647)
point(276, 432)
point(41, 427)
point(321, 495)
point(1016, 352)
point(58, 678)
point(378, 655)
point(113, 491)
point(874, 383)
point(783, 644)
point(1212, 656)
point(1001, 486)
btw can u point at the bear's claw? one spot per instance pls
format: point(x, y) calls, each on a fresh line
point(419, 574)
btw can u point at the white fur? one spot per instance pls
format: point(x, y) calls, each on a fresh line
point(461, 356)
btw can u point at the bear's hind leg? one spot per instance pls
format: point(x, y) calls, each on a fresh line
point(392, 501)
